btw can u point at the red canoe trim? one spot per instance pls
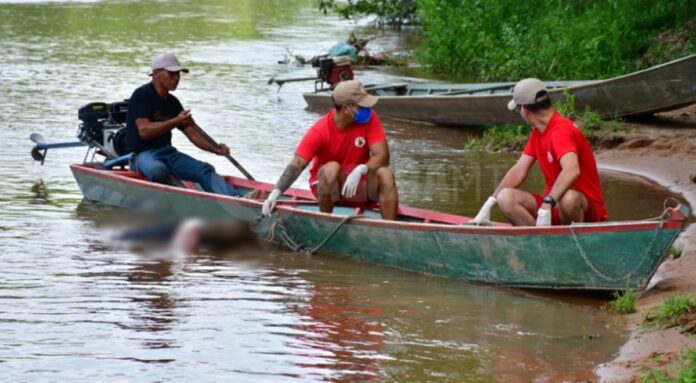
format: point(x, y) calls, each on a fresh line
point(138, 180)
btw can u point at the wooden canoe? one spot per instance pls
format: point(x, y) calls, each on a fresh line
point(660, 88)
point(606, 256)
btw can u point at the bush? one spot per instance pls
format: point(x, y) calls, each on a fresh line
point(673, 307)
point(686, 373)
point(623, 303)
point(497, 138)
point(556, 39)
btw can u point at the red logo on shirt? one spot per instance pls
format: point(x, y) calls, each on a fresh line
point(359, 142)
point(549, 156)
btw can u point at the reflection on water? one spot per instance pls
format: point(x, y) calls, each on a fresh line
point(351, 336)
point(75, 307)
point(156, 312)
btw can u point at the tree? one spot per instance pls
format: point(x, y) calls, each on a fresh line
point(393, 13)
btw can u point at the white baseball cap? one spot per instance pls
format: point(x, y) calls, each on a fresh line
point(169, 62)
point(526, 92)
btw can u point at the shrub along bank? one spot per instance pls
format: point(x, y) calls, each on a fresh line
point(556, 39)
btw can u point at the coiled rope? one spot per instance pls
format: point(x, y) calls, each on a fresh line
point(279, 232)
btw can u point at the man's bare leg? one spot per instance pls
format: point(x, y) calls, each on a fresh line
point(382, 187)
point(328, 188)
point(572, 207)
point(519, 207)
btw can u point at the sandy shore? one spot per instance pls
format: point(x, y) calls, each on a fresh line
point(662, 149)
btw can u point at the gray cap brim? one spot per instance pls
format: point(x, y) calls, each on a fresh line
point(512, 105)
point(176, 69)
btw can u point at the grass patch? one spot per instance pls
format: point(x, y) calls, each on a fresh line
point(669, 312)
point(500, 138)
point(623, 303)
point(675, 252)
point(686, 371)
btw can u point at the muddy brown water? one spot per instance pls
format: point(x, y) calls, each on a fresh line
point(76, 307)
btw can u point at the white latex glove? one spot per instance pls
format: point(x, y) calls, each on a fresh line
point(543, 217)
point(484, 215)
point(270, 202)
point(350, 187)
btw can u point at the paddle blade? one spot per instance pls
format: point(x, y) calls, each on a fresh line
point(36, 154)
point(37, 138)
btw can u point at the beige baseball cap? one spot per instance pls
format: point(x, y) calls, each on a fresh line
point(169, 62)
point(526, 92)
point(352, 92)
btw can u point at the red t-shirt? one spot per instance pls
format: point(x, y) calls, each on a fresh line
point(561, 136)
point(350, 147)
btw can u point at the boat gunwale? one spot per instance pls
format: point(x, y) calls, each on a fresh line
point(581, 228)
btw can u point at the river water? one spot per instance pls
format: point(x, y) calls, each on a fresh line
point(76, 307)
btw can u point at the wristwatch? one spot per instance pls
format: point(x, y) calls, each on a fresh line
point(549, 200)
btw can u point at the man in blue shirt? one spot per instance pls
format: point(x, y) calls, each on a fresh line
point(153, 112)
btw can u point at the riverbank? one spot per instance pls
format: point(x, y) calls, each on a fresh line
point(663, 149)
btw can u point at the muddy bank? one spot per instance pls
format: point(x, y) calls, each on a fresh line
point(662, 148)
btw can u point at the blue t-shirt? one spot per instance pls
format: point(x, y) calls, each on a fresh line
point(146, 103)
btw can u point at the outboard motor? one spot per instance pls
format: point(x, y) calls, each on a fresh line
point(332, 70)
point(104, 126)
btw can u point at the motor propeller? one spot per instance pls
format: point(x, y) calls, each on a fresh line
point(35, 151)
point(38, 152)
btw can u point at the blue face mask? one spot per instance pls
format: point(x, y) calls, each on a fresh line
point(362, 115)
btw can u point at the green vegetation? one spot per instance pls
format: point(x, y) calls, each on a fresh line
point(686, 373)
point(500, 138)
point(508, 40)
point(556, 39)
point(393, 13)
point(672, 308)
point(623, 303)
point(675, 252)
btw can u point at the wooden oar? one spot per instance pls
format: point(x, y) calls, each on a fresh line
point(229, 157)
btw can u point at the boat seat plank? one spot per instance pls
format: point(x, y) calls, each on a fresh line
point(371, 88)
point(489, 90)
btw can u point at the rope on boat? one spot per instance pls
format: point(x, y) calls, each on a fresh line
point(645, 255)
point(279, 230)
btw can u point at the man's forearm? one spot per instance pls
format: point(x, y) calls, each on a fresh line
point(290, 174)
point(152, 129)
point(512, 179)
point(377, 161)
point(199, 140)
point(565, 180)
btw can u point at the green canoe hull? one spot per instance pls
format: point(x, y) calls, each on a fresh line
point(607, 256)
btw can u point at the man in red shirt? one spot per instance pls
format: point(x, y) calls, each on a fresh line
point(572, 192)
point(349, 154)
